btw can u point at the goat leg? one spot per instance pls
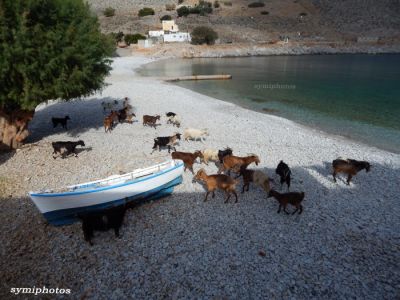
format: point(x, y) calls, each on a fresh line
point(243, 188)
point(301, 209)
point(334, 176)
point(213, 194)
point(348, 179)
point(229, 195)
point(295, 210)
point(205, 199)
point(236, 196)
point(284, 209)
point(279, 209)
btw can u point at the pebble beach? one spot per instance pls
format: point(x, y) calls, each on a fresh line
point(346, 243)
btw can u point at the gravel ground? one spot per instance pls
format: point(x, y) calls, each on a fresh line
point(345, 244)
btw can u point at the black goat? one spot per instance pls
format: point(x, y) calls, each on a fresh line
point(69, 148)
point(166, 141)
point(62, 121)
point(223, 153)
point(284, 172)
point(111, 218)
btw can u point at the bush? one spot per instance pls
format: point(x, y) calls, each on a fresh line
point(203, 35)
point(180, 1)
point(133, 38)
point(227, 3)
point(256, 4)
point(303, 14)
point(109, 12)
point(146, 11)
point(117, 37)
point(170, 7)
point(183, 11)
point(202, 8)
point(166, 18)
point(264, 12)
point(216, 4)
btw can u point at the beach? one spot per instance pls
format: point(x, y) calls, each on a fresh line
point(345, 244)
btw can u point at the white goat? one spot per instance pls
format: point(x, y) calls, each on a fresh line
point(174, 120)
point(195, 134)
point(209, 155)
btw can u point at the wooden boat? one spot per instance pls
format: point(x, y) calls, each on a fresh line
point(61, 207)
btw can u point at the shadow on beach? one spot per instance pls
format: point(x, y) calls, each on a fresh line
point(85, 115)
point(343, 245)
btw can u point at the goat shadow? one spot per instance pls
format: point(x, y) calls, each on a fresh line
point(85, 115)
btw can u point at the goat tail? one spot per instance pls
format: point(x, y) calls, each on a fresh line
point(302, 195)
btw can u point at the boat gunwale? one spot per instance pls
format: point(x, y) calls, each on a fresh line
point(74, 193)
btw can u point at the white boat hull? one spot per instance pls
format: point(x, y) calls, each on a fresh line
point(65, 207)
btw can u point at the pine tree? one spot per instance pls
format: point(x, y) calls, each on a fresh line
point(49, 49)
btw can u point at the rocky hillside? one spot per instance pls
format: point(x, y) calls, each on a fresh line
point(235, 22)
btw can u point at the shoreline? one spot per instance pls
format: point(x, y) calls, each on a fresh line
point(246, 50)
point(321, 131)
point(182, 247)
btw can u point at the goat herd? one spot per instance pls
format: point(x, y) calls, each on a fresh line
point(224, 159)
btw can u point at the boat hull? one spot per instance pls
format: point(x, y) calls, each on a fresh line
point(64, 208)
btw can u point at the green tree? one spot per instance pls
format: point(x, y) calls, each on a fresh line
point(183, 11)
point(133, 38)
point(109, 12)
point(146, 11)
point(49, 50)
point(203, 35)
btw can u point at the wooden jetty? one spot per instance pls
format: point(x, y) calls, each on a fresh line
point(201, 77)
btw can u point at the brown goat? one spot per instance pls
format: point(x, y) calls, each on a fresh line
point(187, 158)
point(217, 181)
point(150, 120)
point(109, 121)
point(292, 198)
point(350, 167)
point(230, 162)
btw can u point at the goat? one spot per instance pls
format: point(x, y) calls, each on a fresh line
point(62, 121)
point(217, 181)
point(223, 153)
point(174, 120)
point(288, 198)
point(109, 121)
point(284, 172)
point(230, 162)
point(187, 158)
point(209, 155)
point(164, 141)
point(350, 167)
point(150, 120)
point(256, 176)
point(194, 134)
point(109, 104)
point(68, 146)
point(111, 218)
point(123, 115)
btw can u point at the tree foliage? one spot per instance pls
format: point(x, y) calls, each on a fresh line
point(133, 38)
point(203, 35)
point(50, 50)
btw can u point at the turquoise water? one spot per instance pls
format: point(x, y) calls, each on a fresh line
point(356, 96)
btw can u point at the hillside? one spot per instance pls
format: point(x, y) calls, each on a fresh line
point(323, 20)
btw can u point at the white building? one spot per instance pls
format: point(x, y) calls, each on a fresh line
point(145, 44)
point(177, 37)
point(156, 33)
